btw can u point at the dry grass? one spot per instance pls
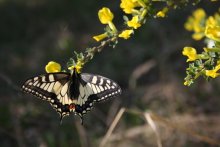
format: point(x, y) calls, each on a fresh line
point(163, 130)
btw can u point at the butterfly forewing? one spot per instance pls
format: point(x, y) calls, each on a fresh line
point(53, 88)
point(101, 86)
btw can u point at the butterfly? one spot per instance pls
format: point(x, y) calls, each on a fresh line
point(71, 92)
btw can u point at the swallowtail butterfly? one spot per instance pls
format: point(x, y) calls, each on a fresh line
point(71, 92)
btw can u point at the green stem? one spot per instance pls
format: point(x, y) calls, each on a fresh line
point(140, 2)
point(212, 49)
point(112, 26)
point(89, 55)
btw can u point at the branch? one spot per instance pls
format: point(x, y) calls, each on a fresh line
point(112, 127)
point(10, 83)
point(91, 52)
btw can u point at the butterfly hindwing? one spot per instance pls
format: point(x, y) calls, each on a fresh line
point(95, 88)
point(101, 86)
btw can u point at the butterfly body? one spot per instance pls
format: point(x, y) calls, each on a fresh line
point(71, 92)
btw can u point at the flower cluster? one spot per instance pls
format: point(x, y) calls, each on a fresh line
point(136, 13)
point(136, 8)
point(53, 66)
point(206, 64)
point(196, 23)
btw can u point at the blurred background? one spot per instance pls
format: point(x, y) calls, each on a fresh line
point(149, 67)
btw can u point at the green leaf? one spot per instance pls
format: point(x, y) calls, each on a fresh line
point(71, 62)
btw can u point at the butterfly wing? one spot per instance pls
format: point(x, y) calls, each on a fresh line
point(94, 88)
point(52, 87)
point(55, 88)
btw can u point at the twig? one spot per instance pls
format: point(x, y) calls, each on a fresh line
point(90, 53)
point(139, 71)
point(130, 133)
point(112, 127)
point(154, 127)
point(7, 80)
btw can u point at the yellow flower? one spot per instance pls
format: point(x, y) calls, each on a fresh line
point(213, 32)
point(129, 5)
point(77, 67)
point(217, 17)
point(211, 21)
point(199, 14)
point(162, 13)
point(198, 36)
point(105, 15)
point(100, 37)
point(52, 67)
point(190, 53)
point(189, 24)
point(196, 23)
point(126, 34)
point(213, 73)
point(134, 22)
point(186, 83)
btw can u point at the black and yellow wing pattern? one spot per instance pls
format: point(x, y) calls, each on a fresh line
point(71, 92)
